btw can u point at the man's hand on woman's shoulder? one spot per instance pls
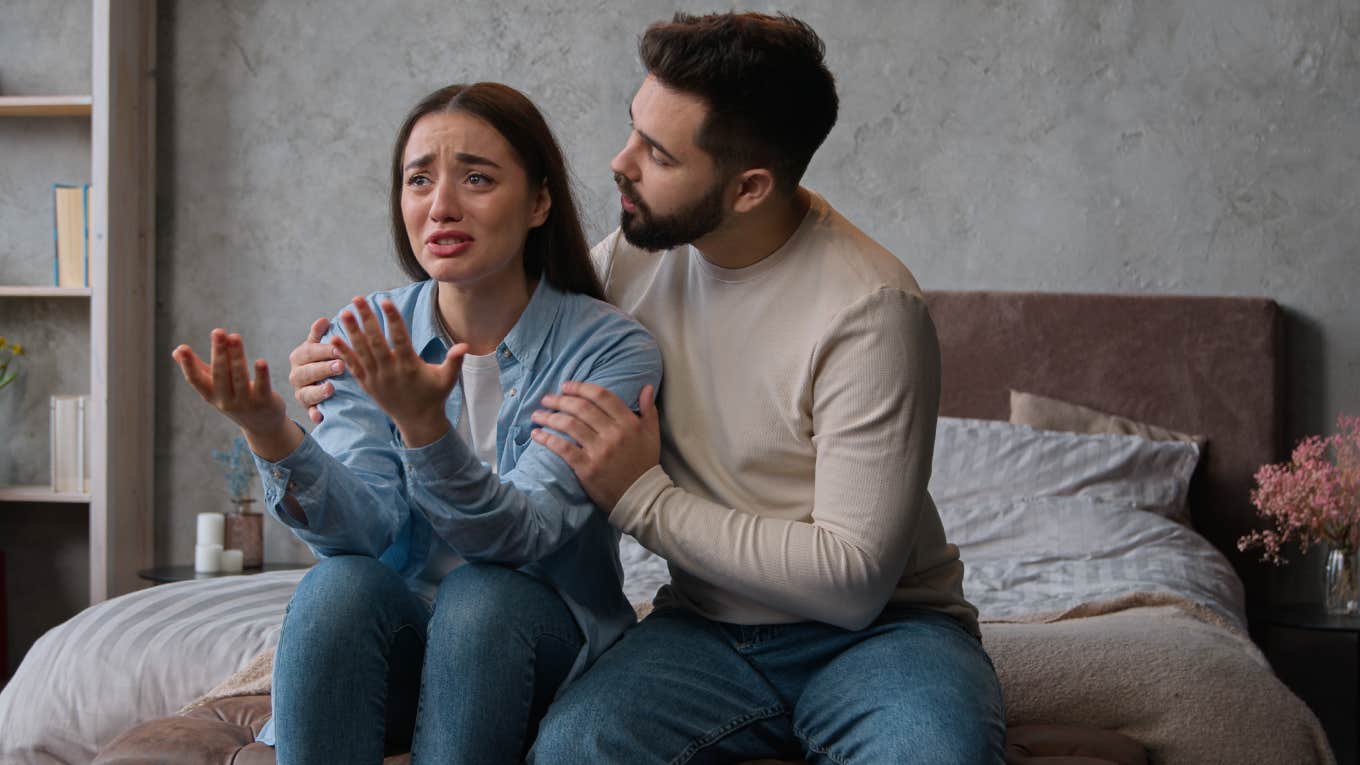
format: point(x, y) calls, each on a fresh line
point(310, 365)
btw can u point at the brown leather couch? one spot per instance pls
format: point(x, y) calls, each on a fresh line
point(223, 733)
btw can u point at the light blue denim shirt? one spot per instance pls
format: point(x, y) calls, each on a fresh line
point(363, 492)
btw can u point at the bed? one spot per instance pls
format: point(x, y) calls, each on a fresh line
point(1103, 564)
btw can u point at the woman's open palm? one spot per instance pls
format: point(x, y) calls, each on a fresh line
point(225, 383)
point(411, 391)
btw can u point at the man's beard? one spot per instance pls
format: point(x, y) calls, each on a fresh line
point(643, 229)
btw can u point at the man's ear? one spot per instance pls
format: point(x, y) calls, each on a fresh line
point(542, 205)
point(754, 186)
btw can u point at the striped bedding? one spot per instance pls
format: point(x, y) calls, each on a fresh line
point(147, 654)
point(134, 658)
point(1044, 521)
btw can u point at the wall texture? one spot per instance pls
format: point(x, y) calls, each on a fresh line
point(1193, 148)
point(1150, 146)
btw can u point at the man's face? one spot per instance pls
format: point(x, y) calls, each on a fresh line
point(671, 190)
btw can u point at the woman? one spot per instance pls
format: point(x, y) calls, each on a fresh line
point(424, 459)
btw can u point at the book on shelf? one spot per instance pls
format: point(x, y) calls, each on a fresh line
point(71, 231)
point(68, 444)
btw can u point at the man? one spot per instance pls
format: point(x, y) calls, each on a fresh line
point(816, 609)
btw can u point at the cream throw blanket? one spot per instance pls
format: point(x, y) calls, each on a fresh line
point(1167, 672)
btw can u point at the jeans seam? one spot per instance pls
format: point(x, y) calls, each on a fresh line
point(715, 735)
point(541, 633)
point(818, 748)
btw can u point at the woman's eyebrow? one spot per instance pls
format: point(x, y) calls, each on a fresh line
point(423, 159)
point(464, 157)
point(474, 159)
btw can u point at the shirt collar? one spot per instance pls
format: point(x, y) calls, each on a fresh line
point(525, 340)
point(425, 328)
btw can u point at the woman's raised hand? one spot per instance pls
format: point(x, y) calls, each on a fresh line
point(411, 391)
point(253, 405)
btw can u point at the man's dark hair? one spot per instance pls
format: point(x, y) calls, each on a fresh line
point(771, 99)
point(556, 250)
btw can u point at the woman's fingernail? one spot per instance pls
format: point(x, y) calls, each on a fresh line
point(335, 366)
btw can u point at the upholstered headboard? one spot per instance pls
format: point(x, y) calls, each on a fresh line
point(1205, 365)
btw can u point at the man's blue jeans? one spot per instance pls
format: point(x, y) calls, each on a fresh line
point(915, 687)
point(365, 667)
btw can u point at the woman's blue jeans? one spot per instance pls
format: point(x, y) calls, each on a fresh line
point(915, 687)
point(364, 667)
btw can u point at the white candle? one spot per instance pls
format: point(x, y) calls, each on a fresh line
point(211, 528)
point(231, 561)
point(207, 559)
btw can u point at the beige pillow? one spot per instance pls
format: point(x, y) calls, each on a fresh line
point(1052, 414)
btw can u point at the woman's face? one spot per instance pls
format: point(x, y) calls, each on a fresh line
point(466, 202)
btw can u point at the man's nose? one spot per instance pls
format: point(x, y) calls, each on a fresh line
point(624, 163)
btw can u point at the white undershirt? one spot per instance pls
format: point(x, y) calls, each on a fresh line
point(481, 381)
point(481, 378)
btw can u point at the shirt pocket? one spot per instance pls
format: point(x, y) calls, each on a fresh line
point(520, 438)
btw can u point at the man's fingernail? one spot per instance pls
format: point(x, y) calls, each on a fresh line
point(335, 366)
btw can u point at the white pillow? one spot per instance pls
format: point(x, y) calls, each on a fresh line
point(980, 460)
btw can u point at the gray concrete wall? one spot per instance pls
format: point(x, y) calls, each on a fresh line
point(1204, 147)
point(1190, 148)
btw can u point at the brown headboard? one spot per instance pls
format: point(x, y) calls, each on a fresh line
point(1205, 365)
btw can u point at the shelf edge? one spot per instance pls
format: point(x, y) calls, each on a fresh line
point(40, 494)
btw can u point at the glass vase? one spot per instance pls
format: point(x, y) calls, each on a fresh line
point(1343, 581)
point(245, 532)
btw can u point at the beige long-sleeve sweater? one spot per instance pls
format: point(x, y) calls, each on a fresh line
point(798, 421)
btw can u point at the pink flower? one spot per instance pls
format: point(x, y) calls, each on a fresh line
point(1313, 498)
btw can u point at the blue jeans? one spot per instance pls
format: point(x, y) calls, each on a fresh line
point(679, 688)
point(364, 667)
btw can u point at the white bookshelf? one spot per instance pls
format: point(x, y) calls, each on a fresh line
point(45, 292)
point(45, 106)
point(41, 494)
point(121, 329)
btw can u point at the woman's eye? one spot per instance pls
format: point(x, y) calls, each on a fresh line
point(417, 180)
point(477, 179)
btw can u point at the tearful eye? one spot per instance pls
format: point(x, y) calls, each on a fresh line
point(478, 179)
point(417, 180)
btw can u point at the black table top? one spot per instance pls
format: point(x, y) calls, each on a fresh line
point(1312, 617)
point(163, 574)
